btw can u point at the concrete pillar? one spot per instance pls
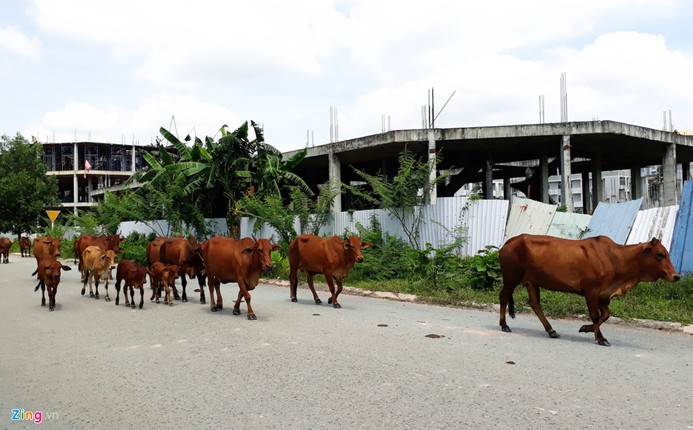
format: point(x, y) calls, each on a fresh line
point(432, 152)
point(544, 176)
point(669, 175)
point(566, 190)
point(507, 190)
point(685, 172)
point(134, 156)
point(586, 201)
point(335, 177)
point(597, 189)
point(488, 178)
point(635, 183)
point(75, 181)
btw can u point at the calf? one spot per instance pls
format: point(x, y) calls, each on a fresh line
point(49, 277)
point(241, 261)
point(97, 265)
point(5, 245)
point(162, 276)
point(25, 246)
point(104, 242)
point(134, 276)
point(187, 255)
point(596, 268)
point(330, 256)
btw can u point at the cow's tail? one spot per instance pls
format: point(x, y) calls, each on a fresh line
point(511, 307)
point(35, 272)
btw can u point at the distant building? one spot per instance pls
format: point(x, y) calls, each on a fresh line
point(85, 169)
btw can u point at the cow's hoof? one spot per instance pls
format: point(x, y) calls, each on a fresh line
point(82, 291)
point(554, 335)
point(176, 297)
point(141, 304)
point(214, 309)
point(220, 307)
point(252, 317)
point(52, 309)
point(117, 302)
point(184, 300)
point(512, 315)
point(329, 301)
point(108, 299)
point(337, 305)
point(170, 304)
point(603, 342)
point(203, 301)
point(318, 302)
point(132, 306)
point(43, 304)
point(91, 295)
point(506, 329)
point(294, 299)
point(236, 311)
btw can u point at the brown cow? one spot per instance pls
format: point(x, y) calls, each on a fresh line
point(46, 245)
point(97, 266)
point(5, 245)
point(154, 250)
point(25, 246)
point(162, 276)
point(134, 276)
point(49, 277)
point(330, 256)
point(187, 255)
point(104, 242)
point(596, 268)
point(241, 261)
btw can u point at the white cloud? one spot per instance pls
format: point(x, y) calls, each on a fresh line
point(19, 44)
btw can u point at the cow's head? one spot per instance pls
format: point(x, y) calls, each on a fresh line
point(110, 256)
point(53, 244)
point(51, 272)
point(655, 262)
point(354, 245)
point(114, 241)
point(262, 248)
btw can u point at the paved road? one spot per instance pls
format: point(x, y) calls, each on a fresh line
point(370, 365)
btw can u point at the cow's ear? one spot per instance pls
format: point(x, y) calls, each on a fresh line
point(366, 245)
point(646, 248)
point(654, 241)
point(248, 250)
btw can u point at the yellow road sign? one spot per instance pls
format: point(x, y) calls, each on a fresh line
point(53, 215)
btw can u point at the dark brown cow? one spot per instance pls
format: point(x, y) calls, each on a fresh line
point(154, 250)
point(187, 255)
point(596, 268)
point(241, 261)
point(331, 256)
point(134, 276)
point(49, 277)
point(162, 276)
point(46, 245)
point(25, 246)
point(5, 245)
point(104, 242)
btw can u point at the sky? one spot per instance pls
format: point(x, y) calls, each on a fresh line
point(118, 71)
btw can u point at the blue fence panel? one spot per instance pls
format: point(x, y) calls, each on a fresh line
point(681, 248)
point(614, 220)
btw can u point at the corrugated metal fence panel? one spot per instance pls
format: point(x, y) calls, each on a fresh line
point(485, 222)
point(682, 246)
point(655, 222)
point(528, 216)
point(614, 220)
point(568, 225)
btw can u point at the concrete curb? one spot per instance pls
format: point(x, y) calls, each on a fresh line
point(651, 324)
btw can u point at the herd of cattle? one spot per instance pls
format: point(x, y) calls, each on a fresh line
point(596, 268)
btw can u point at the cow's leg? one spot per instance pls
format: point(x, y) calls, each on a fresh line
point(43, 293)
point(599, 312)
point(243, 293)
point(293, 282)
point(333, 297)
point(201, 282)
point(309, 278)
point(96, 283)
point(51, 298)
point(141, 297)
point(117, 288)
point(168, 298)
point(175, 290)
point(84, 286)
point(184, 282)
point(506, 296)
point(132, 296)
point(534, 302)
point(107, 299)
point(212, 304)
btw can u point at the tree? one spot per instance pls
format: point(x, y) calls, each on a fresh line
point(403, 195)
point(25, 189)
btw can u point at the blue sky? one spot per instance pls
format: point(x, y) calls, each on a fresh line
point(117, 71)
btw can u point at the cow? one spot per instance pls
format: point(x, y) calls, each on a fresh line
point(162, 276)
point(104, 242)
point(134, 276)
point(241, 261)
point(596, 268)
point(5, 245)
point(331, 256)
point(49, 277)
point(46, 245)
point(97, 265)
point(186, 254)
point(25, 246)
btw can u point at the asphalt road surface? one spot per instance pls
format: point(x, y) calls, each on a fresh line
point(374, 364)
